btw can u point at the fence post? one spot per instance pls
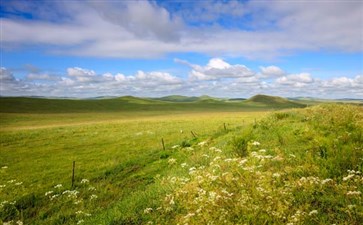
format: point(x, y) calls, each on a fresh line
point(162, 142)
point(74, 166)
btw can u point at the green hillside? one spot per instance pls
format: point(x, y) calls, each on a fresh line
point(177, 98)
point(274, 101)
point(130, 103)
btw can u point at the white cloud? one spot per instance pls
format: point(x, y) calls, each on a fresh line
point(82, 82)
point(142, 18)
point(6, 75)
point(217, 69)
point(144, 29)
point(272, 71)
point(79, 72)
point(296, 80)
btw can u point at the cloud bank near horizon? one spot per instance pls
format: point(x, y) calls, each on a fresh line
point(217, 78)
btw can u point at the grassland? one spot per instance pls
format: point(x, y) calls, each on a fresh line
point(242, 164)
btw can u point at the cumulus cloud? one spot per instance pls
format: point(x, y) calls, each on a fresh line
point(79, 72)
point(216, 69)
point(82, 82)
point(142, 18)
point(272, 71)
point(146, 29)
point(296, 80)
point(6, 75)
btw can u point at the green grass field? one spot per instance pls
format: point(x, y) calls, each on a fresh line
point(224, 162)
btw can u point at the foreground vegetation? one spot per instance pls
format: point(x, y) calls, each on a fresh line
point(300, 166)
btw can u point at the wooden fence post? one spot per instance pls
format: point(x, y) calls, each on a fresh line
point(162, 142)
point(74, 166)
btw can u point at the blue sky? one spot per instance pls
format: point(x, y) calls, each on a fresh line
point(157, 48)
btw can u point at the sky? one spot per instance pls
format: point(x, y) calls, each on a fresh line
point(81, 49)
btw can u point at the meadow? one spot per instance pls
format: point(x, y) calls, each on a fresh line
point(221, 163)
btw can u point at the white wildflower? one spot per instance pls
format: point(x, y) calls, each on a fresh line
point(313, 212)
point(262, 150)
point(58, 186)
point(4, 167)
point(48, 193)
point(189, 148)
point(148, 210)
point(79, 212)
point(348, 177)
point(84, 181)
point(11, 181)
point(183, 165)
point(175, 146)
point(53, 197)
point(171, 202)
point(256, 143)
point(2, 186)
point(91, 188)
point(19, 222)
point(80, 221)
point(230, 160)
point(19, 183)
point(326, 181)
point(354, 193)
point(278, 158)
point(94, 197)
point(171, 161)
point(276, 175)
point(77, 202)
point(202, 143)
point(189, 215)
point(192, 170)
point(71, 194)
point(242, 162)
point(217, 158)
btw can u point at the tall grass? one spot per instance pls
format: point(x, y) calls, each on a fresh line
point(120, 158)
point(313, 176)
point(293, 167)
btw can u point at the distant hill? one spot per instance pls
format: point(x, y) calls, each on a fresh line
point(177, 98)
point(181, 98)
point(236, 99)
point(274, 101)
point(171, 103)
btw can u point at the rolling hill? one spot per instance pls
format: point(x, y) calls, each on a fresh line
point(274, 102)
point(131, 103)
